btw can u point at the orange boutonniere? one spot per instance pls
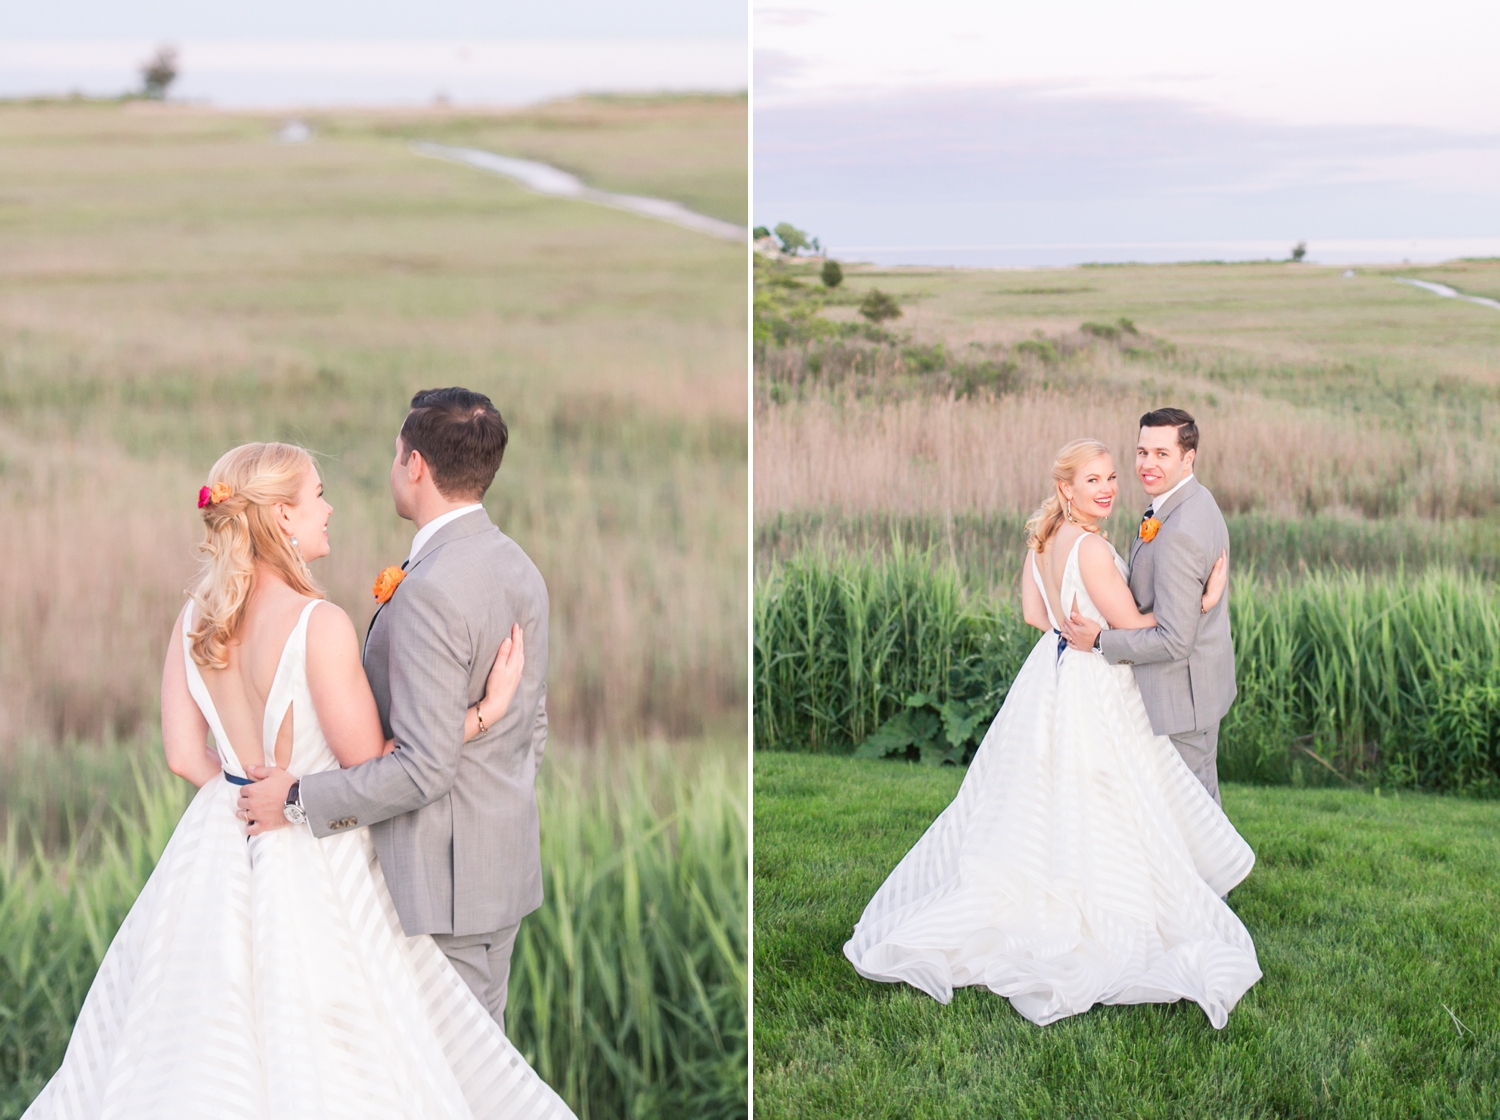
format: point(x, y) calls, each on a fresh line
point(386, 583)
point(1149, 528)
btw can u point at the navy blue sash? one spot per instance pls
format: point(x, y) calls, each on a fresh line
point(1062, 644)
point(237, 780)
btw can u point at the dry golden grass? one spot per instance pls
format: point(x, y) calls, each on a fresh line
point(925, 454)
point(175, 282)
point(1314, 394)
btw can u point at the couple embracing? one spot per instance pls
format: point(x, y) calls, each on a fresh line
point(1086, 858)
point(328, 932)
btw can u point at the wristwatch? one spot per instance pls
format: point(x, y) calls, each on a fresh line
point(1098, 646)
point(293, 810)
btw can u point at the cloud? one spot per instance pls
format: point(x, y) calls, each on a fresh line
point(1044, 164)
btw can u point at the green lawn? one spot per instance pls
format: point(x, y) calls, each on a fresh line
point(1370, 914)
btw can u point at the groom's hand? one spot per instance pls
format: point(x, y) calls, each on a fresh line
point(1081, 631)
point(260, 804)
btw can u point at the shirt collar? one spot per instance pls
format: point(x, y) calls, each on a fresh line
point(1160, 499)
point(428, 531)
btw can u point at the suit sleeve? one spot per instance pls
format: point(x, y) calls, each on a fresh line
point(429, 678)
point(1178, 602)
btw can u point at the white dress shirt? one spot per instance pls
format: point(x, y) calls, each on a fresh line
point(426, 532)
point(1156, 502)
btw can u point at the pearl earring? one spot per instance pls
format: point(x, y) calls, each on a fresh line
point(294, 542)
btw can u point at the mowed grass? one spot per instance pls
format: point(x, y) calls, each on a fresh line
point(1373, 916)
point(175, 282)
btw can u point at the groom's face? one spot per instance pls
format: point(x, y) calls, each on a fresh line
point(1160, 462)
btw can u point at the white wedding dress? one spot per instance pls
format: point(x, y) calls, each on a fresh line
point(270, 979)
point(1080, 863)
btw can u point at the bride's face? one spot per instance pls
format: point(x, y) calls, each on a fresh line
point(1093, 489)
point(308, 519)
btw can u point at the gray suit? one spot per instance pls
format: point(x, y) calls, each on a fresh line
point(454, 825)
point(1185, 664)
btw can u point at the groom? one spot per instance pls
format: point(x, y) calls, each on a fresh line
point(1185, 664)
point(454, 825)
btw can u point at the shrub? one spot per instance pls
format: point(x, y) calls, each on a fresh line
point(832, 274)
point(877, 307)
point(1043, 349)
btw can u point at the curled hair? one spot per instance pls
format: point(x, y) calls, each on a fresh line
point(242, 529)
point(1049, 517)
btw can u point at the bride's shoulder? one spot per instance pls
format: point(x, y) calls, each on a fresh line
point(1095, 552)
point(328, 625)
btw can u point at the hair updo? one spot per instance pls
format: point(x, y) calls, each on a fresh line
point(1049, 517)
point(242, 530)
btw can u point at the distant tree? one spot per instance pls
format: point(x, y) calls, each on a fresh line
point(1299, 250)
point(833, 274)
point(760, 231)
point(817, 248)
point(791, 238)
point(878, 307)
point(158, 73)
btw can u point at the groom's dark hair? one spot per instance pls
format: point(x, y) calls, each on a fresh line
point(461, 436)
point(1187, 427)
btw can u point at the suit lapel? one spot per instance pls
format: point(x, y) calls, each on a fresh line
point(465, 526)
point(1165, 512)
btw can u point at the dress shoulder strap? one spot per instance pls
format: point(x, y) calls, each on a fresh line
point(198, 689)
point(289, 683)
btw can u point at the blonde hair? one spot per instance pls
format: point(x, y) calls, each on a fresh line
point(1049, 517)
point(242, 529)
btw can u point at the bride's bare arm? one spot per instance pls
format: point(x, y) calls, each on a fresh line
point(340, 692)
point(1111, 594)
point(1107, 587)
point(184, 731)
point(1033, 607)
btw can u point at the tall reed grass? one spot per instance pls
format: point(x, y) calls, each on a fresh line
point(987, 547)
point(629, 986)
point(929, 454)
point(1388, 677)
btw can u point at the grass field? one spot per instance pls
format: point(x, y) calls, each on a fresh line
point(1315, 393)
point(175, 282)
point(1373, 917)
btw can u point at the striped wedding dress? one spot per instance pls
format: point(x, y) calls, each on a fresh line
point(271, 979)
point(1080, 863)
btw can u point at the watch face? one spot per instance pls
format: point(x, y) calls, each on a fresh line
point(294, 813)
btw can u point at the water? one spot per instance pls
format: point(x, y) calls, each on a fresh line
point(1447, 292)
point(545, 179)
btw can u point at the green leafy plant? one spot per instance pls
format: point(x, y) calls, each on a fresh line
point(792, 239)
point(878, 307)
point(832, 274)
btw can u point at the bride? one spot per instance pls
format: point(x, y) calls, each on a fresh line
point(267, 975)
point(1081, 862)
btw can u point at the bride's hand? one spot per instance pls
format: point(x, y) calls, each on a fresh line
point(500, 687)
point(1218, 579)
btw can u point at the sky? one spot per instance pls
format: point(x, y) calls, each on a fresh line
point(1014, 134)
point(284, 52)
